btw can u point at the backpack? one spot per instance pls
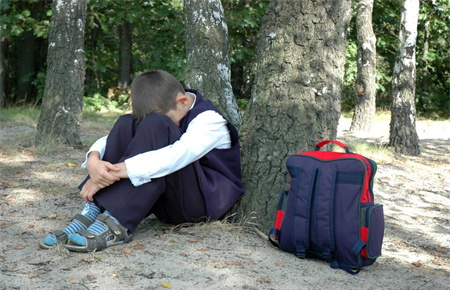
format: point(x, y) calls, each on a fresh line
point(329, 211)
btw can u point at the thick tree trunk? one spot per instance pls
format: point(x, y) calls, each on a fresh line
point(296, 95)
point(208, 55)
point(62, 104)
point(403, 134)
point(365, 107)
point(125, 55)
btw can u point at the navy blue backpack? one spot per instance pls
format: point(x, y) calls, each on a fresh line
point(329, 211)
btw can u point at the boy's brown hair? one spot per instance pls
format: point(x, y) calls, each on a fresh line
point(154, 92)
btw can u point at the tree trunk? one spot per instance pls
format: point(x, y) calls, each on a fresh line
point(90, 74)
point(403, 134)
point(26, 52)
point(208, 55)
point(3, 68)
point(296, 95)
point(62, 104)
point(125, 55)
point(365, 107)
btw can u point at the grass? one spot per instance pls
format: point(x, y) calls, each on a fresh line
point(22, 115)
point(92, 125)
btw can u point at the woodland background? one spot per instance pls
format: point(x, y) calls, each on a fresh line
point(156, 29)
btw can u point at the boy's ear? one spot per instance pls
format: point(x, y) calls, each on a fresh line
point(181, 99)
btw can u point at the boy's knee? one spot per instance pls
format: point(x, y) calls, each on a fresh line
point(158, 124)
point(157, 120)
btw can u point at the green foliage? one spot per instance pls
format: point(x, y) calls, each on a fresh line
point(98, 103)
point(433, 63)
point(158, 43)
point(244, 19)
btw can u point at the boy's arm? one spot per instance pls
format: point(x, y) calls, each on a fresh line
point(99, 146)
point(206, 132)
point(99, 170)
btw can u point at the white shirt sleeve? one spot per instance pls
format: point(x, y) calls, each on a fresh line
point(205, 132)
point(99, 146)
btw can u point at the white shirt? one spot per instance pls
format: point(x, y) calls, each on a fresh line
point(204, 133)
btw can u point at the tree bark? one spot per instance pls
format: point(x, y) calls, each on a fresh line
point(403, 135)
point(62, 104)
point(296, 95)
point(365, 106)
point(26, 69)
point(208, 56)
point(125, 55)
point(3, 67)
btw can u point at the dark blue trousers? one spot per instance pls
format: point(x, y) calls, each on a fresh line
point(175, 198)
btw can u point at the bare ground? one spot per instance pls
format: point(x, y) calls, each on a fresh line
point(38, 193)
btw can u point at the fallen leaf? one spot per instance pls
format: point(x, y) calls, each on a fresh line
point(52, 216)
point(166, 285)
point(30, 226)
point(250, 263)
point(194, 240)
point(203, 250)
point(32, 276)
point(115, 275)
point(19, 247)
point(90, 277)
point(41, 231)
point(4, 225)
point(417, 264)
point(399, 243)
point(264, 279)
point(281, 265)
point(70, 164)
point(184, 230)
point(126, 251)
point(441, 251)
point(139, 246)
point(101, 257)
point(183, 255)
point(73, 281)
point(231, 263)
point(88, 260)
point(147, 275)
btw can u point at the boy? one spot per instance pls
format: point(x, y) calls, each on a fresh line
point(175, 157)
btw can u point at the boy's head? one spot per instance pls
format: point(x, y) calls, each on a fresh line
point(154, 92)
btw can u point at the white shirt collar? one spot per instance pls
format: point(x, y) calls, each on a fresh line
point(195, 99)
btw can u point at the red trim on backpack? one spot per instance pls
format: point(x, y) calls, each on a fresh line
point(364, 235)
point(279, 219)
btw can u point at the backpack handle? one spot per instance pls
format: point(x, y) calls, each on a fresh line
point(339, 143)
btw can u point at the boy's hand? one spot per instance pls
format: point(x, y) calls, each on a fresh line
point(101, 172)
point(122, 172)
point(89, 190)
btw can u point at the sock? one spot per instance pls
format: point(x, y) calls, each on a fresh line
point(90, 210)
point(96, 228)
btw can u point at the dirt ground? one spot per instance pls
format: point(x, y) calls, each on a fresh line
point(38, 193)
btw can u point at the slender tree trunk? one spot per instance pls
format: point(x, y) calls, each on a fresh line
point(208, 55)
point(403, 134)
point(90, 74)
point(62, 104)
point(366, 61)
point(125, 55)
point(296, 95)
point(3, 68)
point(26, 52)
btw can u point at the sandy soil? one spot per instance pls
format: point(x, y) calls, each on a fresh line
point(38, 193)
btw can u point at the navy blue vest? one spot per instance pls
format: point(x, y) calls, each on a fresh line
point(219, 171)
